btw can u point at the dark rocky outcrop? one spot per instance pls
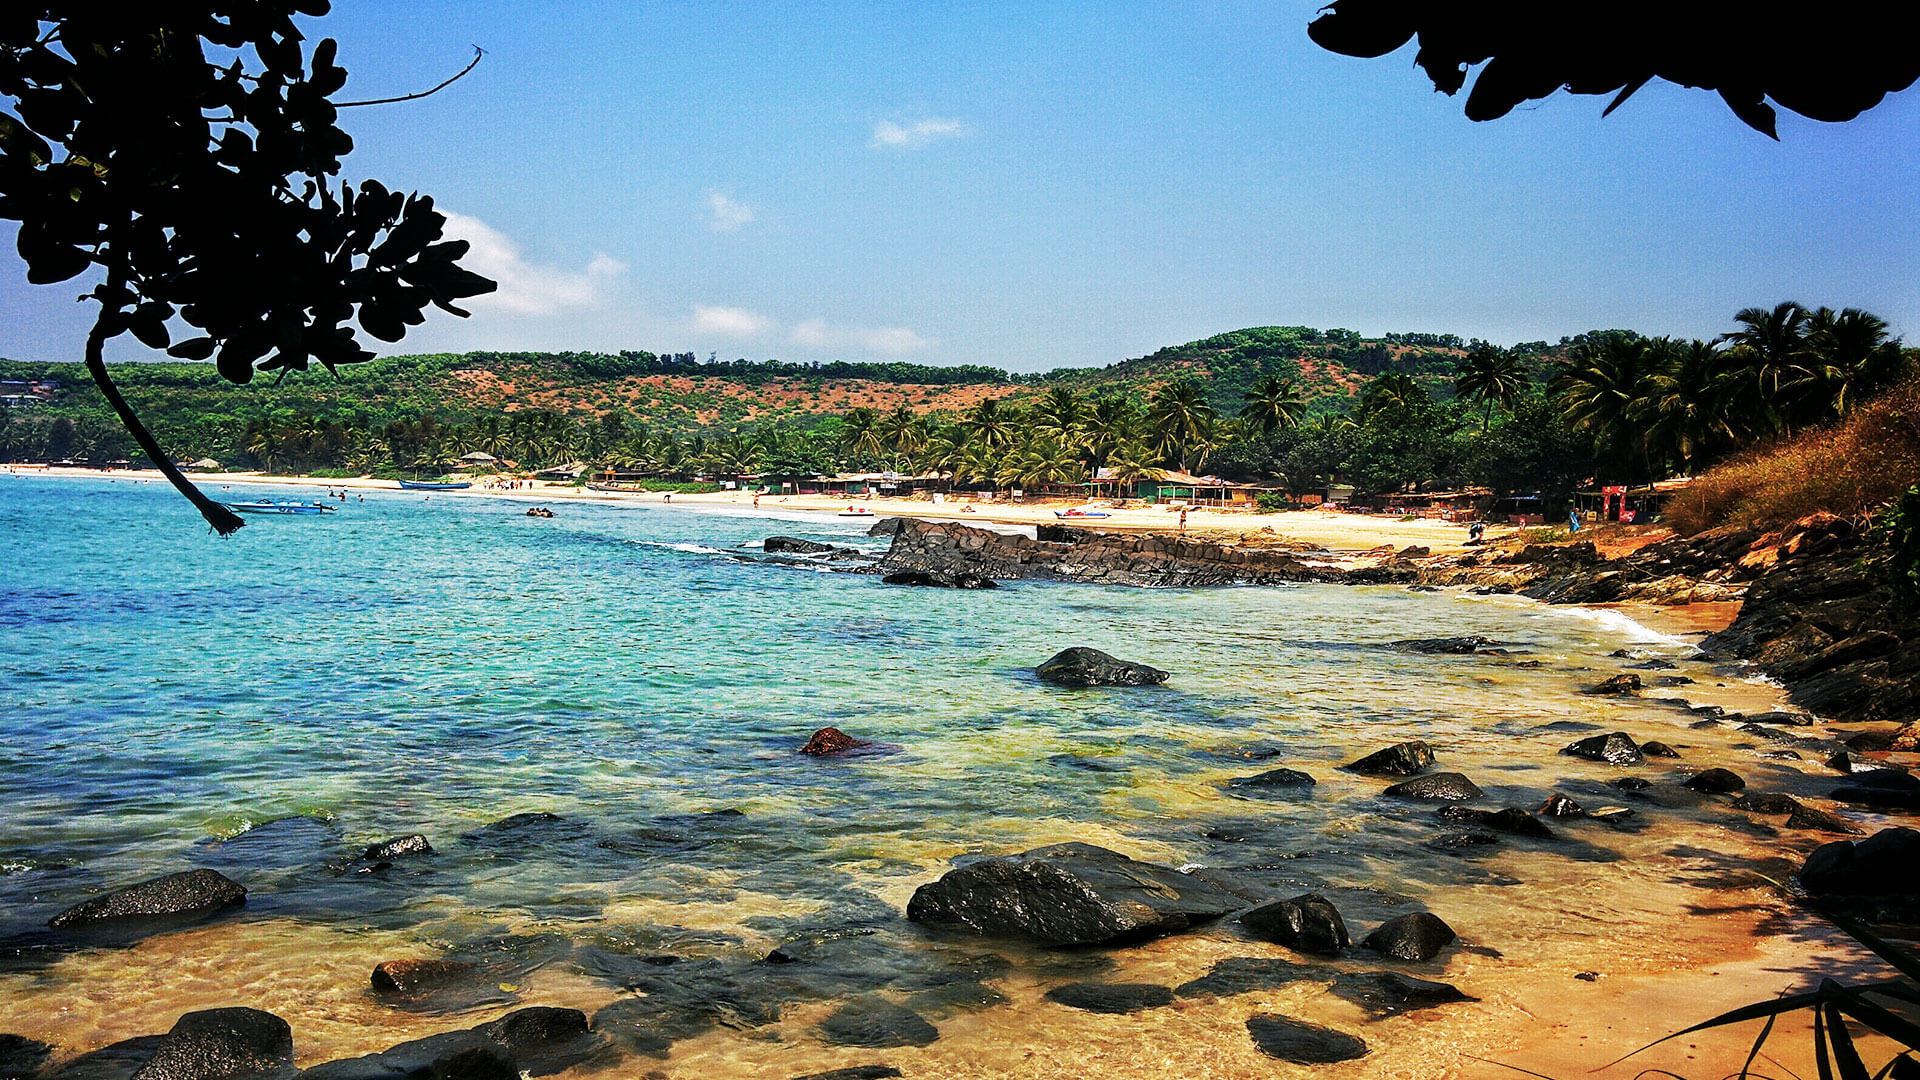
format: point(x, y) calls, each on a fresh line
point(1401, 759)
point(1884, 864)
point(1444, 786)
point(1814, 819)
point(856, 1072)
point(543, 1039)
point(1510, 820)
point(415, 844)
point(793, 545)
point(189, 894)
point(218, 1043)
point(1656, 748)
point(1417, 936)
point(1383, 992)
point(1767, 803)
point(1716, 782)
point(1068, 894)
point(1307, 923)
point(465, 1055)
point(21, 1057)
point(830, 740)
point(930, 579)
point(1245, 974)
point(1559, 806)
point(877, 1024)
point(1081, 666)
point(1113, 998)
point(1619, 685)
point(1302, 1043)
point(1288, 781)
point(1449, 645)
point(1617, 748)
point(1069, 554)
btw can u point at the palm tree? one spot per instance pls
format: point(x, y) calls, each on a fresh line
point(1392, 391)
point(860, 432)
point(1107, 425)
point(1273, 404)
point(1602, 388)
point(1178, 414)
point(1060, 415)
point(901, 431)
point(1130, 464)
point(989, 424)
point(1855, 353)
point(1491, 375)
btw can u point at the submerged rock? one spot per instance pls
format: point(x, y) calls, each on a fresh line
point(1417, 936)
point(1716, 782)
point(543, 1039)
point(1619, 685)
point(1308, 922)
point(1451, 786)
point(929, 579)
point(1769, 803)
point(415, 844)
point(21, 1056)
point(856, 1072)
point(1400, 759)
point(1302, 1043)
point(830, 740)
point(1558, 805)
point(467, 1055)
point(217, 1043)
point(186, 894)
point(1113, 998)
point(1617, 748)
point(877, 1024)
point(1448, 645)
point(1656, 748)
point(1383, 992)
point(418, 976)
point(1273, 780)
point(1811, 818)
point(1068, 894)
point(1510, 820)
point(1245, 974)
point(1080, 666)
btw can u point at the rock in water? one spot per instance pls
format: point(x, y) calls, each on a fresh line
point(21, 1056)
point(1308, 923)
point(1419, 936)
point(1113, 998)
point(1807, 817)
point(1469, 644)
point(1068, 894)
point(415, 976)
point(398, 846)
point(1245, 974)
point(1716, 782)
point(467, 1055)
point(191, 892)
point(1618, 686)
point(1617, 748)
point(1300, 1042)
point(830, 740)
point(793, 545)
point(958, 580)
point(1656, 748)
point(857, 1072)
point(1080, 666)
point(1449, 786)
point(1276, 780)
point(1510, 820)
point(219, 1043)
point(1558, 805)
point(542, 1039)
point(1770, 803)
point(1384, 992)
point(1401, 759)
point(877, 1024)
point(1884, 864)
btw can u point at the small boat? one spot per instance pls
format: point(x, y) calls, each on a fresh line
point(434, 485)
point(1077, 512)
point(539, 512)
point(618, 489)
point(856, 511)
point(270, 507)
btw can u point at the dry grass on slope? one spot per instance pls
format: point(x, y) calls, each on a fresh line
point(1846, 469)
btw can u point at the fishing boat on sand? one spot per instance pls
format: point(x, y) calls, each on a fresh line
point(856, 511)
point(268, 506)
point(435, 485)
point(1081, 512)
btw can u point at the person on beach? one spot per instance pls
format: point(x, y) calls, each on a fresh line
point(756, 500)
point(1183, 519)
point(1573, 521)
point(1475, 531)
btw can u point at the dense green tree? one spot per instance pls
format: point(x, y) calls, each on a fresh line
point(1273, 403)
point(1490, 376)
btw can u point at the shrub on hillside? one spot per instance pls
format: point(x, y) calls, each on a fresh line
point(1848, 468)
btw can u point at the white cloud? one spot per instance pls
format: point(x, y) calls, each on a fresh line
point(893, 340)
point(729, 321)
point(917, 134)
point(528, 288)
point(726, 215)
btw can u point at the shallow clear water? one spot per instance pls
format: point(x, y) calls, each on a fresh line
point(436, 664)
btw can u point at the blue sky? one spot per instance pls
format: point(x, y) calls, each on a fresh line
point(1042, 185)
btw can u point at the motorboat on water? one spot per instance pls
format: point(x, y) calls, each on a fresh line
point(269, 506)
point(857, 511)
point(435, 485)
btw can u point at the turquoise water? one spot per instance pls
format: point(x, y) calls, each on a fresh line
point(438, 663)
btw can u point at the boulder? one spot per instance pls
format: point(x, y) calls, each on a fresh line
point(1447, 645)
point(418, 976)
point(958, 580)
point(1113, 998)
point(1447, 786)
point(217, 1043)
point(1632, 785)
point(190, 893)
point(1292, 781)
point(1302, 1043)
point(1884, 864)
point(1081, 666)
point(1656, 748)
point(1307, 923)
point(1558, 805)
point(1716, 782)
point(830, 740)
point(465, 1055)
point(1619, 685)
point(1400, 759)
point(1816, 820)
point(415, 844)
point(1510, 820)
point(22, 1057)
point(1417, 936)
point(876, 1024)
point(1768, 803)
point(1383, 992)
point(793, 545)
point(1617, 748)
point(1068, 894)
point(543, 1039)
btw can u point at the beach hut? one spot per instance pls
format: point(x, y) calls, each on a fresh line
point(479, 457)
point(205, 464)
